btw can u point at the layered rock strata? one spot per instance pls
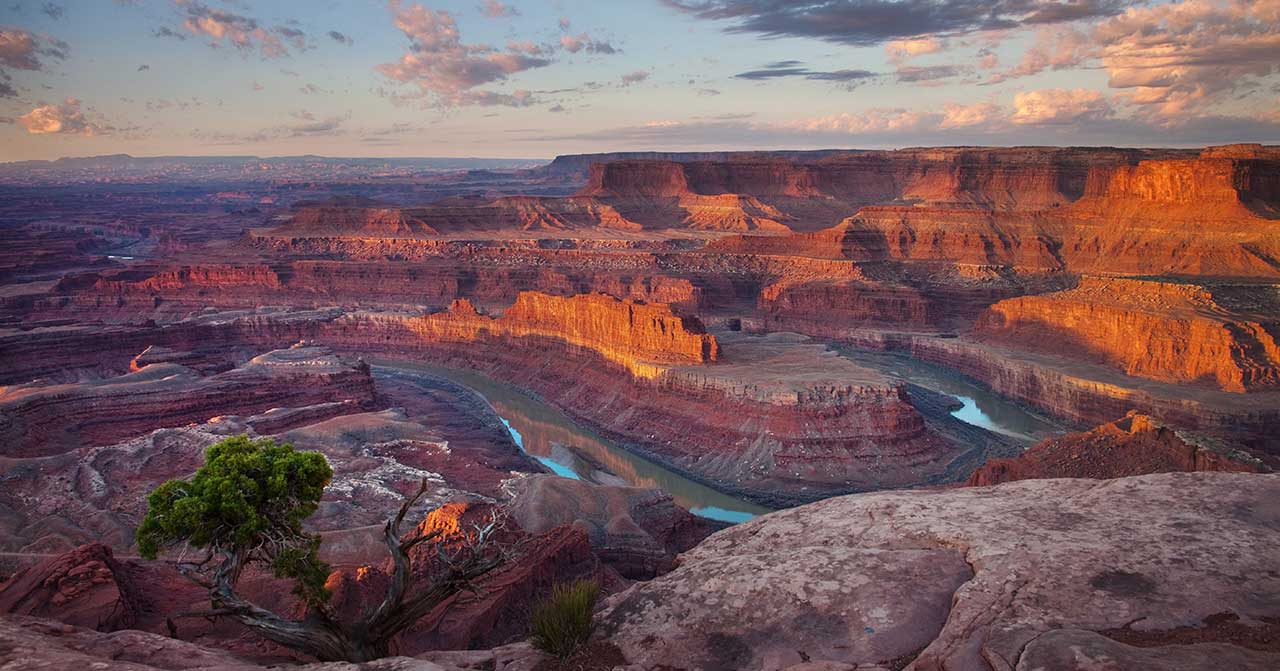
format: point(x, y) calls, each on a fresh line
point(1159, 330)
point(41, 419)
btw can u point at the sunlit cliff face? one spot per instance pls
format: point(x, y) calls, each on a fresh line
point(642, 338)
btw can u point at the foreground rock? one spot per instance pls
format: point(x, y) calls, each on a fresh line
point(33, 643)
point(637, 531)
point(1038, 574)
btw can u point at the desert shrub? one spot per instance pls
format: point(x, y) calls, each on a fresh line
point(562, 623)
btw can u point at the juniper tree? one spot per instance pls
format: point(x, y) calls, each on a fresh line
point(247, 504)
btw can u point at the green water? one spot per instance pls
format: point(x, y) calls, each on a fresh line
point(571, 450)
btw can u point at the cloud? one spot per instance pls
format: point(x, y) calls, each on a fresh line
point(869, 22)
point(634, 77)
point(443, 67)
point(964, 116)
point(929, 73)
point(1059, 106)
point(53, 10)
point(1181, 58)
point(496, 10)
point(165, 31)
point(979, 123)
point(899, 51)
point(575, 43)
point(782, 69)
point(240, 31)
point(308, 126)
point(20, 49)
point(340, 38)
point(64, 119)
point(1174, 60)
point(1058, 49)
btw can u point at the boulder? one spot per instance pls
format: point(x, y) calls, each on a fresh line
point(637, 531)
point(1013, 576)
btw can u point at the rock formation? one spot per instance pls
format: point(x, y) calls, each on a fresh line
point(980, 578)
point(1165, 331)
point(1135, 444)
point(637, 531)
point(39, 420)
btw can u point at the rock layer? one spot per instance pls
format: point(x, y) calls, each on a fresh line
point(1163, 331)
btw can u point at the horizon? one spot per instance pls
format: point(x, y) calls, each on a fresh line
point(407, 157)
point(526, 79)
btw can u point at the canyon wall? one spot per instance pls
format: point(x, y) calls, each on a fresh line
point(1015, 178)
point(1159, 330)
point(633, 335)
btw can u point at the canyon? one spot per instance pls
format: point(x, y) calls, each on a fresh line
point(628, 352)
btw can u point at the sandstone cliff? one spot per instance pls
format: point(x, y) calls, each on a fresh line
point(1160, 330)
point(631, 334)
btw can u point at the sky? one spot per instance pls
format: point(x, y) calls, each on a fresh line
point(533, 78)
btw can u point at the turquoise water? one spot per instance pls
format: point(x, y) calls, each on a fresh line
point(981, 407)
point(573, 451)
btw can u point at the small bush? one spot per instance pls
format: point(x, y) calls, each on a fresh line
point(562, 623)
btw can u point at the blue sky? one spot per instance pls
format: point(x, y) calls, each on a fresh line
point(526, 78)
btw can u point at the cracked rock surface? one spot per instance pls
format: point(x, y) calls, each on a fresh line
point(1017, 576)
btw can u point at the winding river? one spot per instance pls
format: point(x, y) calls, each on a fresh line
point(981, 406)
point(571, 450)
point(574, 451)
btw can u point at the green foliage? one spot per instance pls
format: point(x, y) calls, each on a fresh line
point(249, 498)
point(561, 624)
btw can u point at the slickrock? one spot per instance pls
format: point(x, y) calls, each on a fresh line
point(1160, 330)
point(39, 419)
point(29, 644)
point(1135, 444)
point(980, 578)
point(637, 531)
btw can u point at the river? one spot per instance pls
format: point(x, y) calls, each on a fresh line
point(571, 450)
point(981, 406)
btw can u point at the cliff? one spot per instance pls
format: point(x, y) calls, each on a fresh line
point(1164, 331)
point(1135, 444)
point(634, 335)
point(1206, 181)
point(1004, 179)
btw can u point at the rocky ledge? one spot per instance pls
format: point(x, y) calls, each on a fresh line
point(1039, 574)
point(1173, 571)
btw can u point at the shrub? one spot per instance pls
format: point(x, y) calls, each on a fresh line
point(562, 623)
